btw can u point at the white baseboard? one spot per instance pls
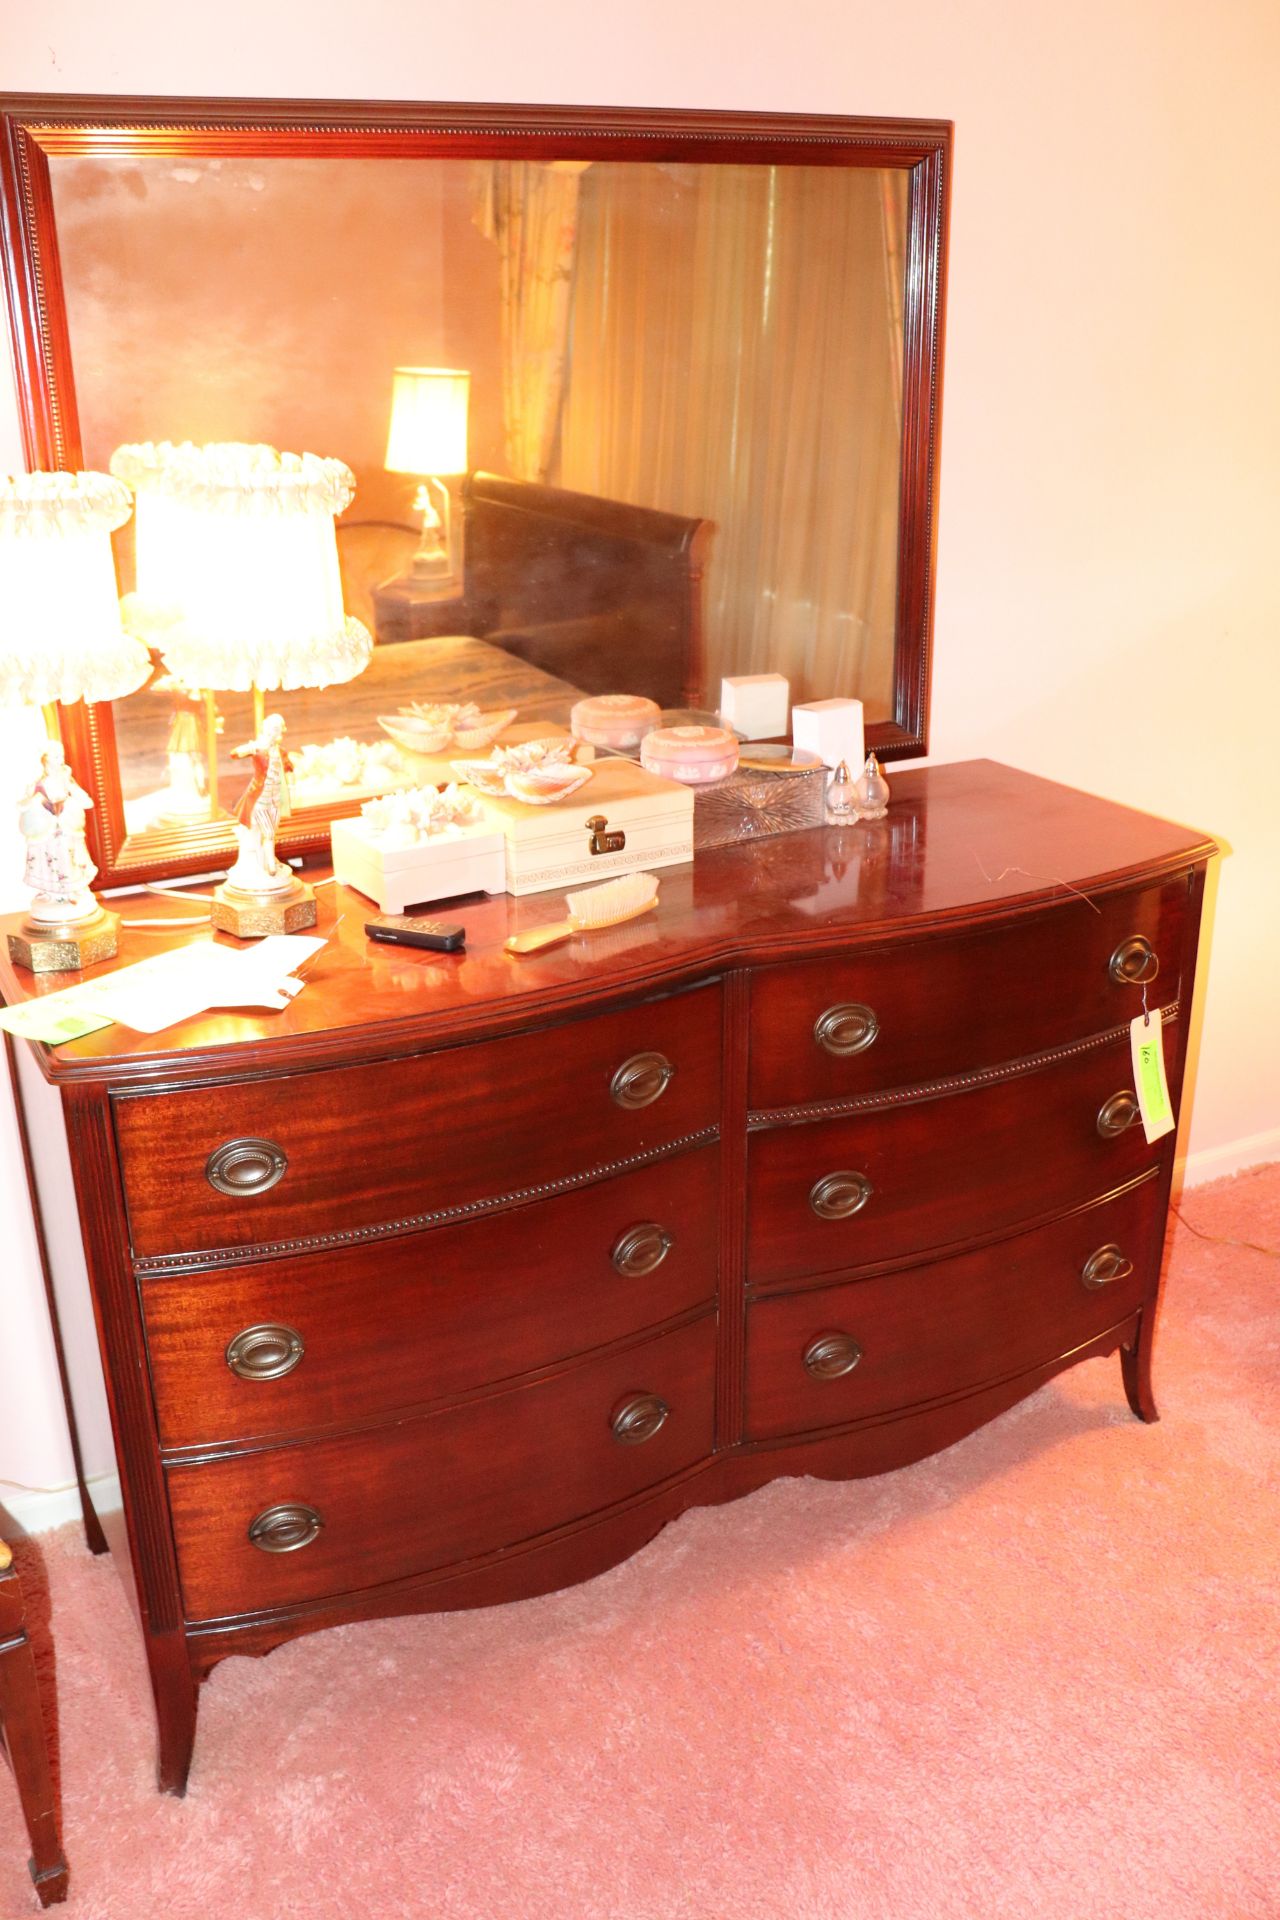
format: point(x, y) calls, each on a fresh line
point(55, 1506)
point(1215, 1163)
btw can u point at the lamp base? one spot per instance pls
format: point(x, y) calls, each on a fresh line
point(46, 946)
point(252, 916)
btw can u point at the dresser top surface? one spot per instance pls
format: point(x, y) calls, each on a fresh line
point(962, 844)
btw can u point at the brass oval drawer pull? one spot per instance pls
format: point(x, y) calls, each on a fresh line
point(641, 1080)
point(639, 1417)
point(640, 1249)
point(1133, 962)
point(838, 1196)
point(1104, 1266)
point(1118, 1114)
point(832, 1355)
point(846, 1028)
point(285, 1528)
point(267, 1352)
point(245, 1166)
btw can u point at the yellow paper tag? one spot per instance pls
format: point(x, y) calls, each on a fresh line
point(1146, 1044)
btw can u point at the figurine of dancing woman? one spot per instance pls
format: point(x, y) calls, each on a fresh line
point(261, 894)
point(58, 866)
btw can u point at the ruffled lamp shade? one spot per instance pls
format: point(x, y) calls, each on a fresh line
point(237, 565)
point(61, 637)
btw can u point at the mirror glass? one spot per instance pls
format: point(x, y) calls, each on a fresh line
point(718, 342)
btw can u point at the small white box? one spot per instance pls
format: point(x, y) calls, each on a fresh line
point(833, 730)
point(470, 860)
point(755, 704)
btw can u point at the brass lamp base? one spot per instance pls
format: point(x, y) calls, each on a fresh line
point(252, 916)
point(44, 946)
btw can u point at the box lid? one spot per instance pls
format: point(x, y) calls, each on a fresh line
point(624, 793)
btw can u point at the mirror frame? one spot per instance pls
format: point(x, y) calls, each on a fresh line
point(36, 127)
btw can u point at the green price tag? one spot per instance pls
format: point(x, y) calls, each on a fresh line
point(1146, 1044)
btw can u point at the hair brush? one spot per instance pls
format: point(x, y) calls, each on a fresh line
point(604, 906)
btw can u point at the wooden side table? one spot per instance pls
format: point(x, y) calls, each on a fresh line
point(24, 1736)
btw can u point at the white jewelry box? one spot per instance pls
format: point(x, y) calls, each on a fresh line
point(552, 846)
point(468, 860)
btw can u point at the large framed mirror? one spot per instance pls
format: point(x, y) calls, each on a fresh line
point(702, 357)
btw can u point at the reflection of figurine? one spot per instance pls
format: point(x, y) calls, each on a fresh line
point(260, 809)
point(52, 821)
point(187, 795)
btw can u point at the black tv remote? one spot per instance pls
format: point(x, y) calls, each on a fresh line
point(406, 930)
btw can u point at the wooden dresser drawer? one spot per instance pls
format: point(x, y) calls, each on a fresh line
point(829, 1029)
point(431, 1492)
point(360, 1146)
point(322, 1339)
point(836, 1354)
point(830, 1195)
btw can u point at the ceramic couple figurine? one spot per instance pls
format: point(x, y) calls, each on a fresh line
point(58, 866)
point(866, 798)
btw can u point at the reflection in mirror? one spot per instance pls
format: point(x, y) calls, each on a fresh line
point(711, 354)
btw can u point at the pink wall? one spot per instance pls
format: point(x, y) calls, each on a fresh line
point(1108, 608)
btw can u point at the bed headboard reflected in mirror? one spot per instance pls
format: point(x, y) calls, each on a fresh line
point(705, 359)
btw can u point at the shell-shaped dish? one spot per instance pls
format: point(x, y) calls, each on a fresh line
point(473, 739)
point(416, 736)
point(483, 775)
point(543, 787)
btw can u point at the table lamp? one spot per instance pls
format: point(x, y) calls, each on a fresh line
point(61, 640)
point(428, 437)
point(238, 588)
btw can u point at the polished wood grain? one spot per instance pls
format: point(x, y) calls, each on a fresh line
point(432, 1315)
point(35, 127)
point(376, 1145)
point(947, 1006)
point(447, 1430)
point(969, 846)
point(941, 1171)
point(26, 1738)
point(948, 1325)
point(417, 1494)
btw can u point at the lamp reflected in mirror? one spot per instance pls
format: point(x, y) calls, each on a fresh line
point(428, 438)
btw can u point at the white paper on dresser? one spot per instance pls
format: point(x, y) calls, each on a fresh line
point(157, 993)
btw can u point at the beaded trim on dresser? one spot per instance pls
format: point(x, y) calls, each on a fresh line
point(937, 1089)
point(159, 1264)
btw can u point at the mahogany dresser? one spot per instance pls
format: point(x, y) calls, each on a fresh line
point(457, 1280)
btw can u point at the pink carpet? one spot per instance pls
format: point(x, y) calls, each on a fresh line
point(1035, 1676)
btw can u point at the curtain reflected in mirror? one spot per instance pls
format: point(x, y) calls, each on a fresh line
point(716, 348)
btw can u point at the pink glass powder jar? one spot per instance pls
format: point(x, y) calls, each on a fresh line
point(697, 756)
point(618, 720)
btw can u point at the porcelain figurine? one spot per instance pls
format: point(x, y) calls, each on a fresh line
point(258, 814)
point(58, 866)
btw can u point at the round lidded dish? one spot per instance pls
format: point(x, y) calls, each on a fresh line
point(696, 756)
point(613, 719)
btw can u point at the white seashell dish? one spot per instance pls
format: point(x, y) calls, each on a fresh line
point(435, 729)
point(538, 772)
